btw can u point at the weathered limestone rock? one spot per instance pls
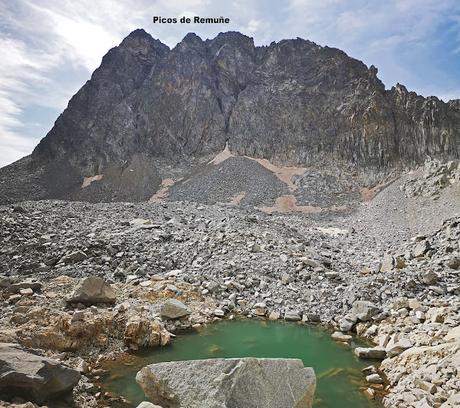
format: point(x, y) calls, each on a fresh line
point(390, 262)
point(453, 335)
point(27, 375)
point(260, 309)
point(174, 309)
point(339, 336)
point(145, 404)
point(364, 310)
point(394, 348)
point(229, 383)
point(142, 332)
point(93, 290)
point(421, 249)
point(292, 316)
point(73, 257)
point(374, 379)
point(377, 353)
point(347, 322)
point(274, 315)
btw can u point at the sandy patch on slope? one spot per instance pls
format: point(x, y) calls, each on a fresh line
point(88, 180)
point(222, 156)
point(163, 190)
point(288, 204)
point(236, 199)
point(368, 194)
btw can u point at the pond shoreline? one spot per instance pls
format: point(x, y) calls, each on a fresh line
point(325, 332)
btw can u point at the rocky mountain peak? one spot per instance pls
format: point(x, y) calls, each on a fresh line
point(293, 102)
point(232, 38)
point(190, 40)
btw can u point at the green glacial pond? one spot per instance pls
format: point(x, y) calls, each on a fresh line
point(339, 380)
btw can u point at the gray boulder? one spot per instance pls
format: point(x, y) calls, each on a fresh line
point(93, 290)
point(421, 249)
point(364, 310)
point(347, 323)
point(32, 377)
point(174, 309)
point(292, 316)
point(225, 383)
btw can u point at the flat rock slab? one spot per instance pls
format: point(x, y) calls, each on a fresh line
point(229, 383)
point(32, 377)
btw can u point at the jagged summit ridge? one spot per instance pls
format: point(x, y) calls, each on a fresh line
point(292, 102)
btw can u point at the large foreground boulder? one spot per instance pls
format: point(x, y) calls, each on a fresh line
point(32, 377)
point(93, 290)
point(229, 383)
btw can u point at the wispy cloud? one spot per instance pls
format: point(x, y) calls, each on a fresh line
point(50, 47)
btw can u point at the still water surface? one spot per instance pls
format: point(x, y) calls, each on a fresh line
point(339, 380)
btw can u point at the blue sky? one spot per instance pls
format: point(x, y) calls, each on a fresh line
point(50, 47)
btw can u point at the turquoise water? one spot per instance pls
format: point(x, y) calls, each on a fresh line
point(339, 380)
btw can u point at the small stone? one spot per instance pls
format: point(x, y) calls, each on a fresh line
point(347, 323)
point(274, 315)
point(421, 249)
point(414, 304)
point(26, 292)
point(312, 317)
point(426, 386)
point(292, 316)
point(429, 278)
point(437, 289)
point(339, 336)
point(377, 353)
point(285, 278)
point(393, 349)
point(388, 263)
point(219, 313)
point(374, 379)
point(369, 370)
point(260, 309)
point(146, 404)
point(370, 393)
point(14, 298)
point(420, 315)
point(454, 263)
point(311, 263)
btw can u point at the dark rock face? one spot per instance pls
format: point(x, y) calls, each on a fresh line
point(292, 101)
